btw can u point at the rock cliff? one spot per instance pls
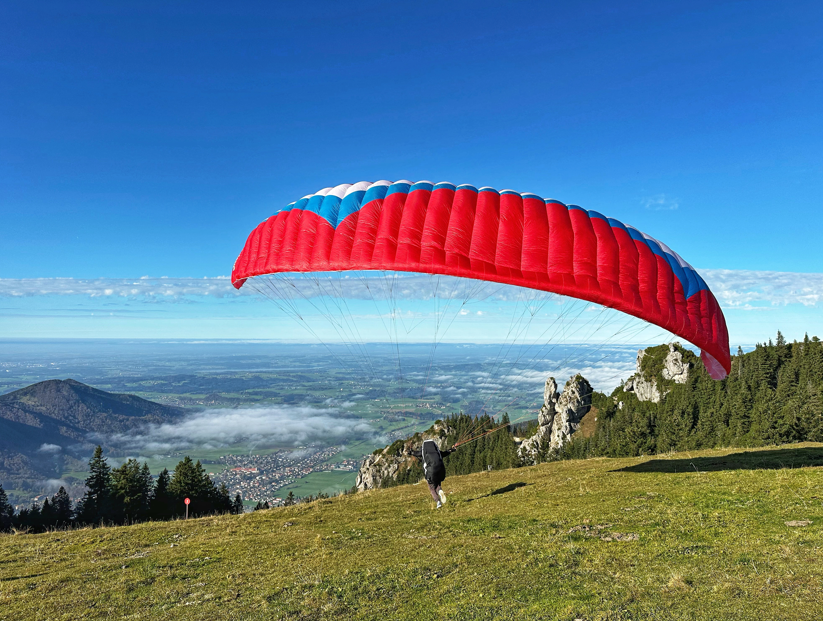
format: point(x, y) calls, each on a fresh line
point(559, 417)
point(668, 364)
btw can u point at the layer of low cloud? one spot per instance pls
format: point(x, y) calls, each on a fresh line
point(52, 485)
point(733, 288)
point(275, 426)
point(145, 287)
point(604, 376)
point(746, 288)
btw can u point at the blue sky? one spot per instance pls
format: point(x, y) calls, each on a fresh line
point(147, 139)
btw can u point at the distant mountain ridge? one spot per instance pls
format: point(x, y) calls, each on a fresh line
point(51, 420)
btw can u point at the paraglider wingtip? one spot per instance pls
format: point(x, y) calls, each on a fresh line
point(238, 283)
point(715, 369)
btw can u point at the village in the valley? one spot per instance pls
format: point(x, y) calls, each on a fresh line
point(257, 478)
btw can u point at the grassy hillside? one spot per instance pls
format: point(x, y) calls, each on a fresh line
point(686, 536)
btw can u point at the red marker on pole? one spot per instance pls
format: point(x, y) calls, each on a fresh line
point(187, 501)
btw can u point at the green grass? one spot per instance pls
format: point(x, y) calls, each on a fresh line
point(685, 536)
point(328, 482)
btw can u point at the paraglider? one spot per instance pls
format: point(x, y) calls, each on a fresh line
point(434, 471)
point(504, 237)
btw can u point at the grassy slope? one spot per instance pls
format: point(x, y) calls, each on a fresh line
point(713, 544)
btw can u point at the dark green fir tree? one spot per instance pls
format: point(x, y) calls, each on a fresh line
point(97, 503)
point(6, 512)
point(132, 487)
point(61, 502)
point(191, 481)
point(162, 506)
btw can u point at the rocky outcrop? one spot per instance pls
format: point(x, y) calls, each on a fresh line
point(375, 469)
point(530, 448)
point(383, 466)
point(573, 405)
point(559, 417)
point(643, 388)
point(674, 368)
point(644, 382)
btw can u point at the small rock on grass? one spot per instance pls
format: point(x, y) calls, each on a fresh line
point(798, 523)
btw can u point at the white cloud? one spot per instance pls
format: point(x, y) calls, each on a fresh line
point(386, 290)
point(272, 426)
point(336, 402)
point(145, 287)
point(49, 448)
point(741, 288)
point(603, 375)
point(733, 288)
point(660, 202)
point(52, 485)
point(527, 377)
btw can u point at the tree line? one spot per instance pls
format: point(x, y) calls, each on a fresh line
point(773, 395)
point(125, 495)
point(496, 449)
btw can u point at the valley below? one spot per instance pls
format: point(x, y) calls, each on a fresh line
point(293, 418)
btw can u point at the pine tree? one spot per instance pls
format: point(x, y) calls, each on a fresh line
point(222, 501)
point(48, 515)
point(290, 500)
point(61, 502)
point(237, 505)
point(97, 503)
point(6, 512)
point(132, 487)
point(21, 520)
point(191, 481)
point(161, 506)
point(31, 518)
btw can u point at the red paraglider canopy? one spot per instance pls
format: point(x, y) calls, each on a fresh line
point(505, 237)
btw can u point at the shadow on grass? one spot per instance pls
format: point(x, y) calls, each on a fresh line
point(503, 490)
point(11, 578)
point(750, 460)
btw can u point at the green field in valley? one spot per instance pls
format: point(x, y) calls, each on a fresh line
point(725, 534)
point(327, 482)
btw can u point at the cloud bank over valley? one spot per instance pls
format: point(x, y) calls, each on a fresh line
point(271, 426)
